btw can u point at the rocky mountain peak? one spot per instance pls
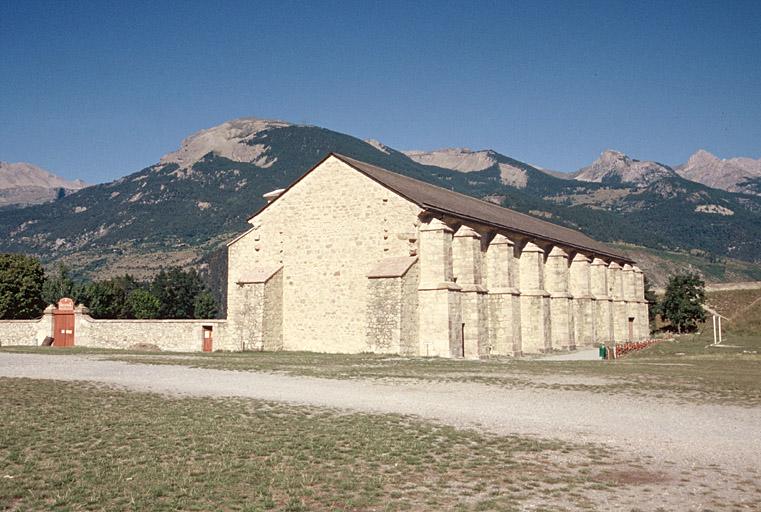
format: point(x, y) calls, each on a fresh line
point(229, 140)
point(613, 157)
point(457, 159)
point(702, 157)
point(22, 183)
point(734, 174)
point(616, 167)
point(23, 174)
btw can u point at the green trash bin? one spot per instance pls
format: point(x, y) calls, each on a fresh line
point(603, 351)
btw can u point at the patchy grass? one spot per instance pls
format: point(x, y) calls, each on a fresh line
point(75, 446)
point(686, 369)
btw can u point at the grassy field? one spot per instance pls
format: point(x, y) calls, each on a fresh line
point(686, 369)
point(741, 309)
point(76, 446)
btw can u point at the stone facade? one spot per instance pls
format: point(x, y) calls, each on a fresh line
point(327, 232)
point(342, 261)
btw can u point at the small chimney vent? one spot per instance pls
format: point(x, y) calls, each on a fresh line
point(271, 196)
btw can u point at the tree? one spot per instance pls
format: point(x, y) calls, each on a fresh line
point(104, 299)
point(108, 299)
point(143, 304)
point(682, 305)
point(177, 290)
point(59, 285)
point(21, 280)
point(205, 306)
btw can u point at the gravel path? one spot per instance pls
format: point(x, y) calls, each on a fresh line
point(587, 354)
point(689, 435)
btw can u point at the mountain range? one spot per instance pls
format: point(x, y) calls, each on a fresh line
point(23, 184)
point(182, 209)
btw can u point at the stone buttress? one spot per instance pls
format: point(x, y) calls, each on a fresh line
point(556, 274)
point(535, 301)
point(391, 316)
point(503, 298)
point(616, 291)
point(583, 310)
point(632, 304)
point(467, 269)
point(602, 303)
point(255, 306)
point(439, 307)
point(643, 322)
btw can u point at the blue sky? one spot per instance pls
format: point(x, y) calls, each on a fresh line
point(96, 90)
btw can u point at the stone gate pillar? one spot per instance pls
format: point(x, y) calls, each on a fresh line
point(602, 302)
point(440, 320)
point(583, 314)
point(467, 267)
point(616, 291)
point(535, 301)
point(503, 298)
point(556, 274)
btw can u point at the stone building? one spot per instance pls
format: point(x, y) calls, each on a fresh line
point(354, 258)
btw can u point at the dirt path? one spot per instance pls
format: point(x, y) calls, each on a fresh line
point(689, 435)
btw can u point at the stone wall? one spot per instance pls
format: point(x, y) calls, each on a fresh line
point(26, 332)
point(170, 335)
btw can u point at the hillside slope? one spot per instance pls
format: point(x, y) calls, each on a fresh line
point(183, 208)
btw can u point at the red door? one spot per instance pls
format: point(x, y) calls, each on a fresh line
point(207, 340)
point(63, 324)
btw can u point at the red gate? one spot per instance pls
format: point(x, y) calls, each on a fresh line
point(63, 323)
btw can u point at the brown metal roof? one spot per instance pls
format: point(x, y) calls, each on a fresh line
point(440, 200)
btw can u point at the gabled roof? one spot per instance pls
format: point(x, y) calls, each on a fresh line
point(442, 201)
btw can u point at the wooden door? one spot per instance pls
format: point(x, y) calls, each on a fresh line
point(63, 328)
point(207, 339)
